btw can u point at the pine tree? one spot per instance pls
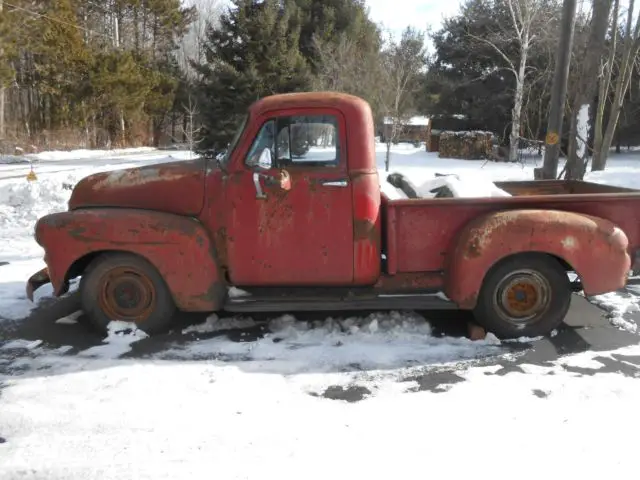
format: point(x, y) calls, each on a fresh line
point(254, 53)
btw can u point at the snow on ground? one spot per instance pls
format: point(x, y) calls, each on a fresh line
point(280, 405)
point(153, 419)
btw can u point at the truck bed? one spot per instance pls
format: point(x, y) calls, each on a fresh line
point(417, 233)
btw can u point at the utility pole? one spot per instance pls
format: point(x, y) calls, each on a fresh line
point(2, 94)
point(559, 92)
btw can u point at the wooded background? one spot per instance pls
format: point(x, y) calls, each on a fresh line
point(154, 72)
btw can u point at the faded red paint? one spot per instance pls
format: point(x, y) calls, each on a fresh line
point(179, 247)
point(366, 228)
point(575, 238)
point(176, 187)
point(311, 234)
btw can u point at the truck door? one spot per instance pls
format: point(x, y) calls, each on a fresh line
point(303, 236)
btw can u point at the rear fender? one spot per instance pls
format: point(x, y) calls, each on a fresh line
point(593, 247)
point(179, 247)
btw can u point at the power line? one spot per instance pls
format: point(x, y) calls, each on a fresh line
point(53, 19)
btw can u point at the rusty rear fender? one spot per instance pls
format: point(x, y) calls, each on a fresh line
point(595, 248)
point(179, 247)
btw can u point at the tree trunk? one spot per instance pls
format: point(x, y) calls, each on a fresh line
point(387, 158)
point(516, 113)
point(587, 84)
point(631, 45)
point(603, 93)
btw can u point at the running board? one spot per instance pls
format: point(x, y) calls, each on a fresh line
point(380, 302)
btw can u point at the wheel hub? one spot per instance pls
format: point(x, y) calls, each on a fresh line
point(126, 294)
point(522, 296)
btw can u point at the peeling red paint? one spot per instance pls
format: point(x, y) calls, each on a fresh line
point(176, 187)
point(328, 227)
point(179, 247)
point(489, 238)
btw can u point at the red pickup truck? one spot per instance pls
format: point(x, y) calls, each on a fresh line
point(294, 216)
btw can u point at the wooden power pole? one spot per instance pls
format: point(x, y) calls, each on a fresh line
point(559, 92)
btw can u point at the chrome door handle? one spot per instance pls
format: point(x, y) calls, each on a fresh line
point(335, 183)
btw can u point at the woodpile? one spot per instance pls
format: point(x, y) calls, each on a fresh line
point(467, 145)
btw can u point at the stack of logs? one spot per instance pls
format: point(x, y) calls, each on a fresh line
point(469, 145)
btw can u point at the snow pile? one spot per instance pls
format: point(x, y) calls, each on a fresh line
point(119, 338)
point(462, 187)
point(458, 186)
point(214, 324)
point(619, 305)
point(83, 154)
point(381, 340)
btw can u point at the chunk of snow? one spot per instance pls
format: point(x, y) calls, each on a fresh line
point(582, 130)
point(462, 187)
point(391, 192)
point(70, 319)
point(119, 338)
point(235, 292)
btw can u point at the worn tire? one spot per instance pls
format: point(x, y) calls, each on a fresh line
point(524, 295)
point(124, 286)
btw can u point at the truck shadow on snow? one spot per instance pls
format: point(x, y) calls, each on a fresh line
point(428, 350)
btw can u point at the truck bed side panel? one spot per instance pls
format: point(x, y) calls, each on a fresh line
point(423, 231)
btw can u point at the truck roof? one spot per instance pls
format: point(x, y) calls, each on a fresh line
point(309, 99)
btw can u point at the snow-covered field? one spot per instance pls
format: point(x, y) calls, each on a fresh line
point(353, 397)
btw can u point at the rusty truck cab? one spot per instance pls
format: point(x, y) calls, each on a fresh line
point(323, 231)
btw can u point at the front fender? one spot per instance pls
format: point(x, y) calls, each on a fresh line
point(179, 247)
point(594, 248)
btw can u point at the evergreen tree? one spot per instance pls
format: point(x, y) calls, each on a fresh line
point(254, 53)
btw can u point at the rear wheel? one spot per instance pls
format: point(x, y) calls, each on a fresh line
point(525, 295)
point(126, 287)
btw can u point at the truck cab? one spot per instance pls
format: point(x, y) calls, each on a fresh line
point(292, 214)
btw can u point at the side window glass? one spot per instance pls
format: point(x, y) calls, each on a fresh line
point(309, 141)
point(265, 140)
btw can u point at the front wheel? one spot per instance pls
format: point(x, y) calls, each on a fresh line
point(126, 287)
point(525, 295)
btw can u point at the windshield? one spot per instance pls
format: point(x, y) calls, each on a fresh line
point(236, 137)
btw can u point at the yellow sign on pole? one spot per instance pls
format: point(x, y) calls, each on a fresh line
point(552, 138)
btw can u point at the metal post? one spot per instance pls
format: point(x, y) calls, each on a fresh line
point(2, 96)
point(559, 91)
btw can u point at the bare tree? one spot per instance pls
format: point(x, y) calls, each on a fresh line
point(191, 131)
point(402, 63)
point(192, 44)
point(524, 30)
point(585, 89)
point(631, 46)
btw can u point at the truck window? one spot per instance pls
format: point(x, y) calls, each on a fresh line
point(308, 141)
point(305, 141)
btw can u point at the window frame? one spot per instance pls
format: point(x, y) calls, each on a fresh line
point(338, 123)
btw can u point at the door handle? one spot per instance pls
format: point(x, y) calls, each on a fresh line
point(335, 183)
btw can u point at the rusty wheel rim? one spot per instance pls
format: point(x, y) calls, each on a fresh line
point(522, 296)
point(127, 294)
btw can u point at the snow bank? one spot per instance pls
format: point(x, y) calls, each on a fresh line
point(22, 203)
point(83, 154)
point(381, 340)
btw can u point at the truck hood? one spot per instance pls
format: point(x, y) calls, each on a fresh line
point(176, 187)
